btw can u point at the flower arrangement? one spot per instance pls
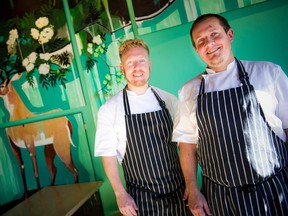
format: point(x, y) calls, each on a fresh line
point(46, 31)
point(39, 47)
point(38, 52)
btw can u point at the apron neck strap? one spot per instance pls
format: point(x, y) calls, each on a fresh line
point(202, 85)
point(126, 103)
point(161, 102)
point(243, 76)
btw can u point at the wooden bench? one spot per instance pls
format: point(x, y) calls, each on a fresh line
point(71, 199)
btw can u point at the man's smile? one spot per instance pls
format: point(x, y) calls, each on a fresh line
point(213, 50)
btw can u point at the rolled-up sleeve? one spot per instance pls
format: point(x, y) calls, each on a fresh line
point(110, 139)
point(185, 123)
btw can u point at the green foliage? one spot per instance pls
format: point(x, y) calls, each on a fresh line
point(30, 79)
point(54, 78)
point(62, 58)
point(55, 44)
point(26, 23)
point(108, 83)
point(46, 10)
point(90, 63)
point(93, 16)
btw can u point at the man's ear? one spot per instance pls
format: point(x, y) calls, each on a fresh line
point(230, 34)
point(121, 68)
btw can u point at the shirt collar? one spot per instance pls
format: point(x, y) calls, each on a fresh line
point(229, 67)
point(135, 94)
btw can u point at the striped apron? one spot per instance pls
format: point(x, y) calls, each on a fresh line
point(244, 163)
point(151, 163)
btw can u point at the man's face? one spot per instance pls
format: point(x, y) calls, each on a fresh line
point(213, 44)
point(135, 65)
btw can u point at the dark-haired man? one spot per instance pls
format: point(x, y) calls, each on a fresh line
point(233, 120)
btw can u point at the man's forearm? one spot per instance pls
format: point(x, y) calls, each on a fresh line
point(111, 169)
point(189, 164)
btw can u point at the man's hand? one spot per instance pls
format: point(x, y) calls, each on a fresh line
point(126, 204)
point(196, 203)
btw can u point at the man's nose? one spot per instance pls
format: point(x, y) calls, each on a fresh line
point(136, 64)
point(210, 41)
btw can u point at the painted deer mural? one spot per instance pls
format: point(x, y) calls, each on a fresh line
point(53, 134)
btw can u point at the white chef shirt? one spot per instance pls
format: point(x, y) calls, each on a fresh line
point(270, 84)
point(111, 129)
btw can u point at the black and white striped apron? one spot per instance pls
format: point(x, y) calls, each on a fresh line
point(151, 163)
point(244, 163)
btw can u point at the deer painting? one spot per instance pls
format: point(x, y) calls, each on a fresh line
point(53, 134)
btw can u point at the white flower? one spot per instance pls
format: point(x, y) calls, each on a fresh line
point(32, 57)
point(90, 45)
point(25, 62)
point(97, 40)
point(44, 68)
point(13, 34)
point(28, 62)
point(46, 35)
point(11, 42)
point(29, 67)
point(89, 50)
point(42, 39)
point(45, 56)
point(42, 22)
point(48, 32)
point(11, 48)
point(35, 33)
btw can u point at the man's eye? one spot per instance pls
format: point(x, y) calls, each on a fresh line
point(129, 63)
point(200, 42)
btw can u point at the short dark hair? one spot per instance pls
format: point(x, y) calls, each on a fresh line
point(222, 20)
